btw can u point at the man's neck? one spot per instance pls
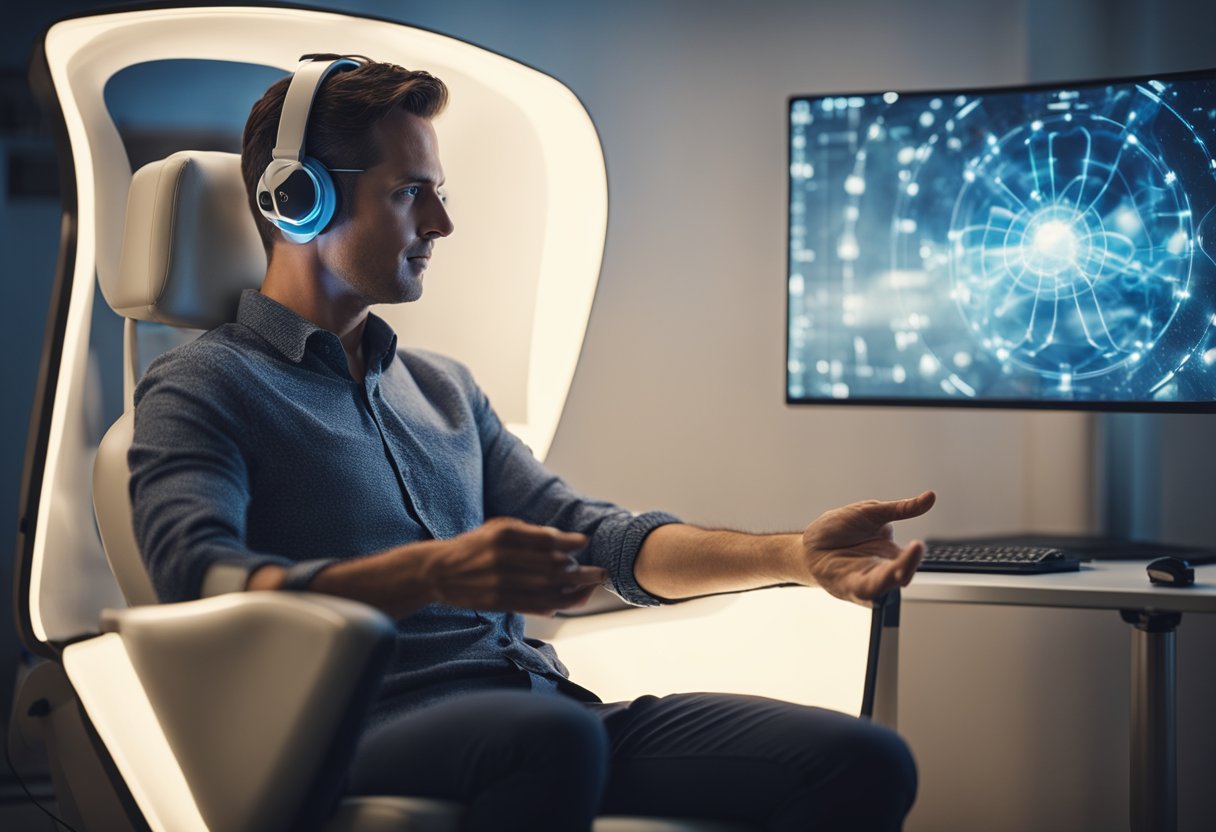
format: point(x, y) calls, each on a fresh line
point(295, 280)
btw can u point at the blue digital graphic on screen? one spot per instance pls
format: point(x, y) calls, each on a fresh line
point(1031, 245)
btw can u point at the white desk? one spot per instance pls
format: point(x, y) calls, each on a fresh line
point(1153, 612)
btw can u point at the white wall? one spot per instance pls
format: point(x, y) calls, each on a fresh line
point(1018, 717)
point(679, 397)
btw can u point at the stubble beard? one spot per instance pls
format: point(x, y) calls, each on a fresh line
point(402, 287)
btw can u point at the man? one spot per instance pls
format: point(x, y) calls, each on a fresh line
point(298, 448)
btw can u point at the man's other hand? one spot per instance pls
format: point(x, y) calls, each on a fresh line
point(851, 551)
point(511, 566)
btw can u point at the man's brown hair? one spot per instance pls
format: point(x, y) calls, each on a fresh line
point(339, 135)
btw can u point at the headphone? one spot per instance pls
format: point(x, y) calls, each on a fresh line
point(296, 192)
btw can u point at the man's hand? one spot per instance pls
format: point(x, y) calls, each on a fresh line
point(511, 566)
point(851, 551)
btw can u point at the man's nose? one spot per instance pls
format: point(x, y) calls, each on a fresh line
point(437, 222)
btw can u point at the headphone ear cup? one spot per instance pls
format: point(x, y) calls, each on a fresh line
point(326, 204)
point(298, 197)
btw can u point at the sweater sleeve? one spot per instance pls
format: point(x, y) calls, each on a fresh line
point(517, 485)
point(190, 487)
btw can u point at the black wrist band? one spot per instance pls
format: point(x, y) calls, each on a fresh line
point(300, 575)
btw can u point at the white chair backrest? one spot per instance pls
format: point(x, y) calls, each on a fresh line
point(524, 166)
point(189, 249)
point(112, 507)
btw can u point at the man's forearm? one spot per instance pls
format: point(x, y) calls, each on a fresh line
point(680, 561)
point(503, 565)
point(849, 551)
point(392, 581)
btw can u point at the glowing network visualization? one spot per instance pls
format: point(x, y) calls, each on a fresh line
point(1019, 245)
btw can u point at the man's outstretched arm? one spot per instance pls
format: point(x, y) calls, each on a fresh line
point(849, 551)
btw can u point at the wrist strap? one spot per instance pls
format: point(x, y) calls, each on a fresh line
point(300, 575)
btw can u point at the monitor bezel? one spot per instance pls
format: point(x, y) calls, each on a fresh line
point(1107, 406)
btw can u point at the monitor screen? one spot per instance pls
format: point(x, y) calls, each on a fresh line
point(1048, 246)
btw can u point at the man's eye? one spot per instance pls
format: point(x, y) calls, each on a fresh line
point(409, 190)
point(443, 197)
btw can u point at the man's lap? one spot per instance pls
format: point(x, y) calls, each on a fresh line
point(723, 756)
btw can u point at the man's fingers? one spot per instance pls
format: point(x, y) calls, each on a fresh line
point(545, 573)
point(908, 561)
point(890, 511)
point(898, 571)
point(880, 576)
point(584, 576)
point(520, 534)
point(554, 566)
point(546, 603)
point(541, 562)
point(911, 507)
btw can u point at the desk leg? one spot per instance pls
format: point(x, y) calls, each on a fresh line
point(1154, 753)
point(882, 697)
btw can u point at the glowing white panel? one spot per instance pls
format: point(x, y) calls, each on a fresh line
point(103, 678)
point(793, 643)
point(566, 217)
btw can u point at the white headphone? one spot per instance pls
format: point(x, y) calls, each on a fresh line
point(296, 192)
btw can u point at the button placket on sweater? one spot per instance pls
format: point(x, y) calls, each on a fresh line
point(372, 400)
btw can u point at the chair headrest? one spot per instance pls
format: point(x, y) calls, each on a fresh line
point(190, 246)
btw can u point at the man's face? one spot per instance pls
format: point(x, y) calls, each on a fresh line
point(382, 248)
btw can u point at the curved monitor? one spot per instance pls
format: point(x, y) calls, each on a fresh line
point(1045, 246)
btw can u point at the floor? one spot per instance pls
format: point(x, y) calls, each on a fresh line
point(16, 817)
point(19, 814)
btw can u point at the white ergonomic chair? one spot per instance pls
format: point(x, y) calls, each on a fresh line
point(173, 716)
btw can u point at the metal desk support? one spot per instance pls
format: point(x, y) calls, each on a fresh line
point(1154, 750)
point(1154, 613)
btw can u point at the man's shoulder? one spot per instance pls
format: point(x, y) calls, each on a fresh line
point(439, 376)
point(225, 343)
point(419, 359)
point(219, 356)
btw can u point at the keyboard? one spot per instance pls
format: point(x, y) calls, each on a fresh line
point(1015, 559)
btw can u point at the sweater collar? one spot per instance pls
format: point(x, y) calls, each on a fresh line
point(289, 333)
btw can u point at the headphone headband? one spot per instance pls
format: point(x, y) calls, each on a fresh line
point(293, 121)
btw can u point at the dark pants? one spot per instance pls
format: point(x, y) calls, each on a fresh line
point(522, 760)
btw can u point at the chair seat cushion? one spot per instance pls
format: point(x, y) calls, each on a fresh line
point(395, 814)
point(417, 814)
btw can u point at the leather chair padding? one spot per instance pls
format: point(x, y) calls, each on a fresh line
point(190, 246)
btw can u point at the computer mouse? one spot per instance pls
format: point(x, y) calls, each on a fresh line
point(1171, 572)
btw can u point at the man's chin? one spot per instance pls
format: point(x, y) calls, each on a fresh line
point(409, 290)
point(409, 281)
point(406, 288)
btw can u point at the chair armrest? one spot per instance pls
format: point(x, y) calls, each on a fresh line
point(260, 696)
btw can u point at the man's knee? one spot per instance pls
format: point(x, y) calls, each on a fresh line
point(556, 735)
point(875, 779)
point(552, 779)
point(886, 758)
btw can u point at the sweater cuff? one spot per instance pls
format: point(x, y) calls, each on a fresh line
point(623, 580)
